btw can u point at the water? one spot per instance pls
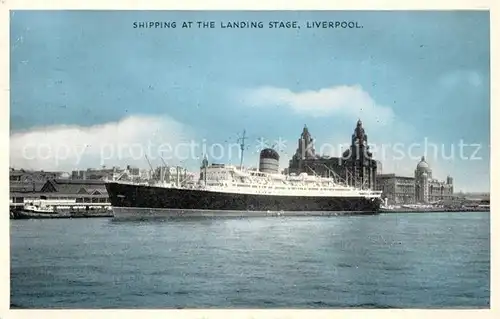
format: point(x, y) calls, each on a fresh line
point(434, 260)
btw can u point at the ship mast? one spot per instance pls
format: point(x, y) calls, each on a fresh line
point(336, 177)
point(242, 147)
point(163, 170)
point(204, 166)
point(150, 166)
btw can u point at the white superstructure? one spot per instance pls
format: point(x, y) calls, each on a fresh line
point(231, 179)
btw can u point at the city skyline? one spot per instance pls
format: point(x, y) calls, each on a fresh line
point(76, 82)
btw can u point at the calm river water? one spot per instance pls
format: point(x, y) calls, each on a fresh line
point(419, 260)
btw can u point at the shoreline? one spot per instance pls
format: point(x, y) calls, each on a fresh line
point(416, 211)
point(27, 215)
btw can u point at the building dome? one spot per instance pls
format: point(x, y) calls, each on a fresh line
point(423, 165)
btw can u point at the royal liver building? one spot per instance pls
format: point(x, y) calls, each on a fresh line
point(356, 166)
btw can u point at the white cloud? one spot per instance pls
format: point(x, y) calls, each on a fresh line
point(349, 101)
point(458, 77)
point(395, 143)
point(65, 147)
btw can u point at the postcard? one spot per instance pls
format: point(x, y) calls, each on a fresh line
point(173, 159)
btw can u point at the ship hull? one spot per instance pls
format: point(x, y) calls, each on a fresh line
point(130, 201)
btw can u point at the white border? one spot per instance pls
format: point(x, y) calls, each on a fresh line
point(7, 5)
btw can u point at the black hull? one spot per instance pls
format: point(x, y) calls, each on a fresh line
point(150, 200)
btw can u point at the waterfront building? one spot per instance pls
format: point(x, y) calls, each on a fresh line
point(26, 181)
point(397, 189)
point(429, 189)
point(359, 160)
point(69, 186)
point(356, 166)
point(114, 173)
point(80, 191)
point(473, 196)
point(85, 191)
point(422, 188)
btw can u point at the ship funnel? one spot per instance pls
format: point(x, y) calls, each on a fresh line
point(269, 161)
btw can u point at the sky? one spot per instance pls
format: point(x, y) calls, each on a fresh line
point(88, 89)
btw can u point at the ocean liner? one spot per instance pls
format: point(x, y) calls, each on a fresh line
point(228, 190)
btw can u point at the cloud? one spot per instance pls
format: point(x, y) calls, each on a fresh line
point(349, 101)
point(127, 141)
point(461, 77)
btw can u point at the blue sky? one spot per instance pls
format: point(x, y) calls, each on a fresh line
point(410, 76)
